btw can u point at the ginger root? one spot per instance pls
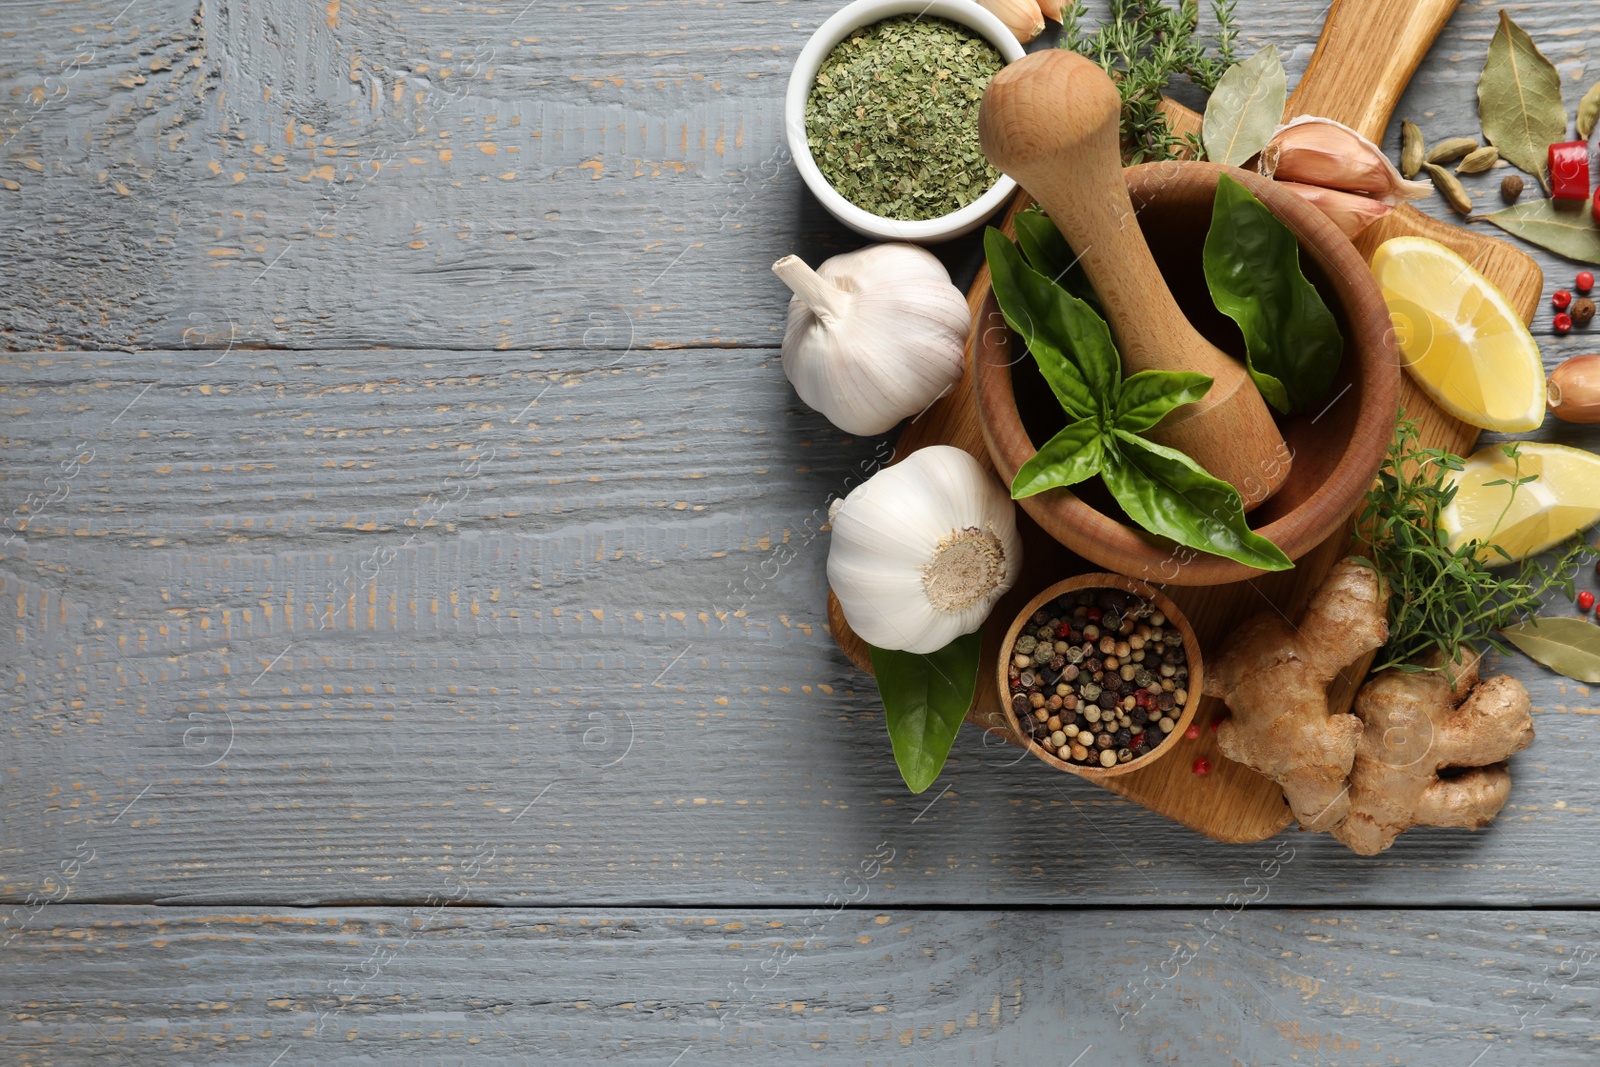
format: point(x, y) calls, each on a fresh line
point(1274, 677)
point(1418, 724)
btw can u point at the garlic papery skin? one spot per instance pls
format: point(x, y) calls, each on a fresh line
point(922, 550)
point(1318, 151)
point(1351, 212)
point(874, 336)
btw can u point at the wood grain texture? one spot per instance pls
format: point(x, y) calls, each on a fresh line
point(195, 145)
point(272, 454)
point(170, 628)
point(866, 985)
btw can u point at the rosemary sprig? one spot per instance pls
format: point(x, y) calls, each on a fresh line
point(1143, 46)
point(1443, 599)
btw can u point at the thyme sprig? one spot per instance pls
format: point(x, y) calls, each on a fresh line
point(1143, 46)
point(1443, 599)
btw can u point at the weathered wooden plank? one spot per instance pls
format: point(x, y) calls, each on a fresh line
point(866, 985)
point(296, 612)
point(469, 176)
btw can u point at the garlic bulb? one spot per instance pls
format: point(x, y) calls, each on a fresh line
point(1318, 151)
point(922, 550)
point(874, 335)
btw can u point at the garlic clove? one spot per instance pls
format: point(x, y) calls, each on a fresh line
point(873, 336)
point(1022, 17)
point(922, 550)
point(1351, 212)
point(1318, 151)
point(1053, 9)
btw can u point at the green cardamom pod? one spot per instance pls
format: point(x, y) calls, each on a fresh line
point(1450, 151)
point(1450, 188)
point(1411, 148)
point(1479, 160)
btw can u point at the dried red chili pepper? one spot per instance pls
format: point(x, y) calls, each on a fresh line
point(1569, 170)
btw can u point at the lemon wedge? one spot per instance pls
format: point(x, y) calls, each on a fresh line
point(1562, 499)
point(1460, 340)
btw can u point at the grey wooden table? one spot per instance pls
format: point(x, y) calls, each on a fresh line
point(397, 665)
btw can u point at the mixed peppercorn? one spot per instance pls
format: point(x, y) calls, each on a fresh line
point(1572, 312)
point(1099, 677)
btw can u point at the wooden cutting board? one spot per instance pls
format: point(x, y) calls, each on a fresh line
point(1367, 53)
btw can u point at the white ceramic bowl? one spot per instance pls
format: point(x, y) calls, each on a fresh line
point(844, 22)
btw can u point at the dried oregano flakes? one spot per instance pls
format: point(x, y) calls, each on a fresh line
point(892, 119)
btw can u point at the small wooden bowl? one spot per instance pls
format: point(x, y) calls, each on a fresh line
point(1337, 447)
point(1191, 648)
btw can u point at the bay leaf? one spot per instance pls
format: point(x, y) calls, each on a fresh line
point(1566, 231)
point(1566, 645)
point(1589, 112)
point(1519, 100)
point(1245, 108)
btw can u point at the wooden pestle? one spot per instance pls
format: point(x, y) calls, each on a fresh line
point(1051, 121)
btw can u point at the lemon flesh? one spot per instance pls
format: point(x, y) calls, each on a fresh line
point(1562, 499)
point(1460, 340)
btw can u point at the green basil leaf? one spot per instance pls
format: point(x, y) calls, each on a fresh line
point(1071, 344)
point(925, 699)
point(1049, 254)
point(1071, 456)
point(1169, 494)
point(1252, 265)
point(1148, 397)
